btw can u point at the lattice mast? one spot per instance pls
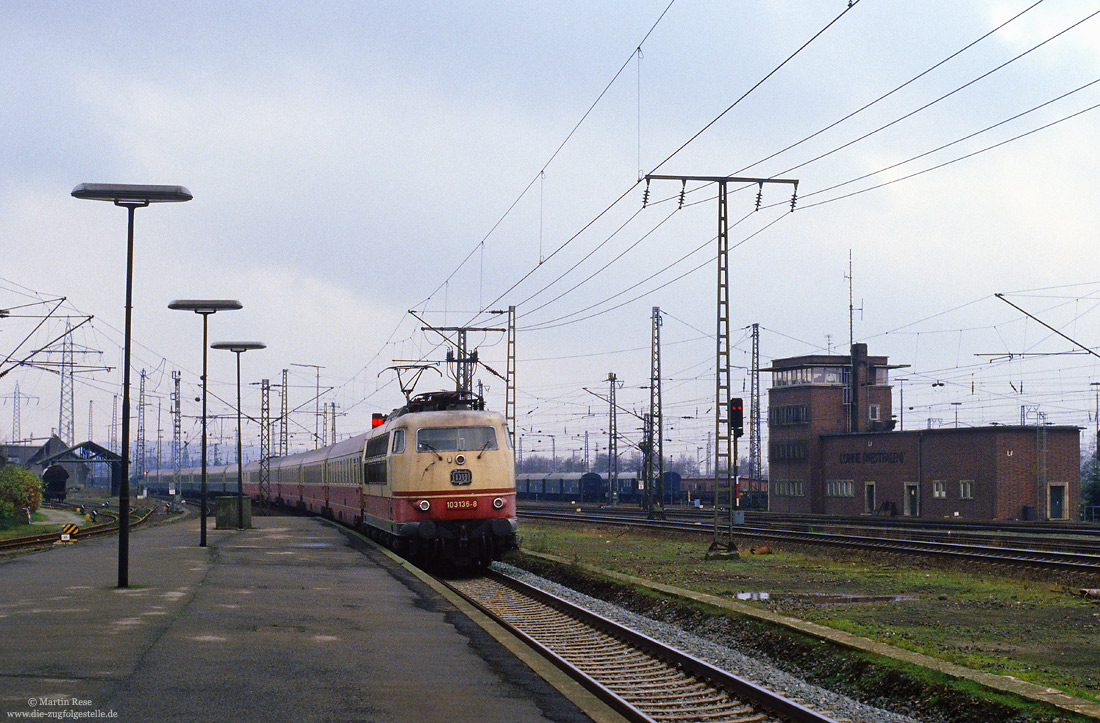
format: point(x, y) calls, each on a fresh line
point(265, 441)
point(466, 364)
point(510, 374)
point(724, 459)
point(177, 435)
point(18, 399)
point(656, 424)
point(284, 436)
point(139, 455)
point(649, 484)
point(113, 441)
point(160, 435)
point(756, 467)
point(612, 445)
point(66, 418)
point(16, 424)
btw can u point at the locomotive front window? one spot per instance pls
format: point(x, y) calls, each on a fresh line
point(455, 439)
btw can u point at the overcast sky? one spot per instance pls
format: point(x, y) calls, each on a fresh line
point(351, 161)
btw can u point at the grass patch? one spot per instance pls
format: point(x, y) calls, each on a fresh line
point(1035, 631)
point(884, 682)
point(14, 528)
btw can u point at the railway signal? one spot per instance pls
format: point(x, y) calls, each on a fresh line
point(737, 416)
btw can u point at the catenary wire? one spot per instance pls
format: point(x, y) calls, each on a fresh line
point(558, 150)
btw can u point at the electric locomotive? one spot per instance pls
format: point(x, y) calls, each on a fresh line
point(449, 489)
point(434, 479)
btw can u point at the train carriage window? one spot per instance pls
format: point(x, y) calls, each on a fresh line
point(398, 441)
point(374, 473)
point(455, 439)
point(376, 447)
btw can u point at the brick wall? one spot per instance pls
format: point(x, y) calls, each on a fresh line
point(965, 473)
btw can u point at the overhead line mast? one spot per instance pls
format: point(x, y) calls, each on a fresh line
point(284, 436)
point(265, 442)
point(654, 451)
point(725, 460)
point(756, 471)
point(612, 443)
point(177, 456)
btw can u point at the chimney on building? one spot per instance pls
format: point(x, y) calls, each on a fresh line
point(858, 421)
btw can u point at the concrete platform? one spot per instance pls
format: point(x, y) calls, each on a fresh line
point(284, 622)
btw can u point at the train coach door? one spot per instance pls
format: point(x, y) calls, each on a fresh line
point(912, 500)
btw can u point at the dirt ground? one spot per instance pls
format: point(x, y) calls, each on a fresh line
point(1038, 631)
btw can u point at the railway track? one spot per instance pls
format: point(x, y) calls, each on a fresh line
point(1062, 536)
point(642, 678)
point(46, 539)
point(1074, 563)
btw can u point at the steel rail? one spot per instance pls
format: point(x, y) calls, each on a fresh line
point(1063, 561)
point(50, 538)
point(1030, 529)
point(617, 655)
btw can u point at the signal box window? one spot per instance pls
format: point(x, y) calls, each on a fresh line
point(455, 439)
point(790, 488)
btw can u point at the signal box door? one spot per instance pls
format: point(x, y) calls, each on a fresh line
point(912, 500)
point(1057, 502)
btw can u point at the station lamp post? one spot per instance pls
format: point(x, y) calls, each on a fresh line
point(238, 347)
point(129, 197)
point(205, 307)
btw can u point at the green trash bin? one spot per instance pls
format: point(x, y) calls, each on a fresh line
point(225, 513)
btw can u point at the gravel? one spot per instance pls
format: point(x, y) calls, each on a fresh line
point(840, 707)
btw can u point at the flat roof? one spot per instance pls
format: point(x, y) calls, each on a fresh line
point(957, 430)
point(806, 362)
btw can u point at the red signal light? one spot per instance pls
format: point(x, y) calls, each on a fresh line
point(377, 419)
point(737, 417)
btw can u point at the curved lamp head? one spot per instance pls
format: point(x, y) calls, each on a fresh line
point(238, 346)
point(205, 306)
point(122, 194)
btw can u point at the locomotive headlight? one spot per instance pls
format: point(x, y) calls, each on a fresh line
point(460, 459)
point(424, 505)
point(498, 503)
